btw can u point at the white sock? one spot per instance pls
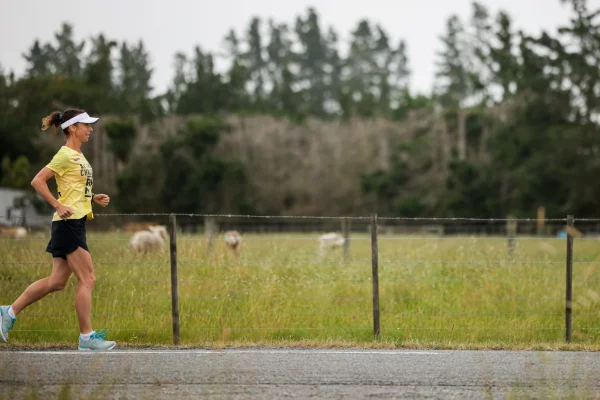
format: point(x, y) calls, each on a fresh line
point(11, 313)
point(86, 336)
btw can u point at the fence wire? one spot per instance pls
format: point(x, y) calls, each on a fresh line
point(242, 328)
point(229, 297)
point(475, 240)
point(306, 217)
point(288, 294)
point(320, 314)
point(340, 263)
point(298, 280)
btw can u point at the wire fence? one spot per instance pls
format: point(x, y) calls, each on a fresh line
point(377, 287)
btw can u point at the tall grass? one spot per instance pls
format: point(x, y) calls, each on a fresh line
point(463, 291)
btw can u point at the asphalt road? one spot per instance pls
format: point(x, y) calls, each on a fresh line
point(264, 373)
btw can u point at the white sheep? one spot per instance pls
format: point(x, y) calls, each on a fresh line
point(17, 232)
point(329, 241)
point(149, 240)
point(233, 240)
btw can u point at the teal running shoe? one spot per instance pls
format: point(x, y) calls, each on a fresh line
point(96, 342)
point(6, 323)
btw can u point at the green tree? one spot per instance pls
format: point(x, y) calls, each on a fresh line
point(395, 191)
point(470, 191)
point(204, 92)
point(453, 79)
point(335, 66)
point(180, 81)
point(478, 44)
point(375, 73)
point(6, 137)
point(312, 63)
point(67, 56)
point(139, 186)
point(503, 62)
point(134, 77)
point(405, 102)
point(99, 73)
point(359, 73)
point(17, 174)
point(238, 75)
point(39, 59)
point(578, 48)
point(282, 98)
point(254, 60)
point(122, 135)
point(195, 179)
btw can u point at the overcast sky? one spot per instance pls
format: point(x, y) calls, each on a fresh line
point(167, 27)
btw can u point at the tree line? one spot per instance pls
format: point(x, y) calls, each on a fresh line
point(511, 123)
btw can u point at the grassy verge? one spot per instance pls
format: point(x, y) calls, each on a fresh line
point(464, 292)
point(19, 345)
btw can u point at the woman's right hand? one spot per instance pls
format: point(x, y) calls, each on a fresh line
point(63, 211)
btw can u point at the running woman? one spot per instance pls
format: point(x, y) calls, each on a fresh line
point(68, 245)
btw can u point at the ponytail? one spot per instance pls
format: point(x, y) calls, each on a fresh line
point(56, 118)
point(51, 120)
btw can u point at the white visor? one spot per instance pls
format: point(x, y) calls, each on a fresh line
point(83, 117)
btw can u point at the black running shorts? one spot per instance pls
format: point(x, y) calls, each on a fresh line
point(67, 236)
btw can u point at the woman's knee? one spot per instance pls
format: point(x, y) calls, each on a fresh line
point(56, 286)
point(88, 281)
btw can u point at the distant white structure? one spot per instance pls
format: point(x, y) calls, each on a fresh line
point(12, 215)
point(148, 240)
point(329, 241)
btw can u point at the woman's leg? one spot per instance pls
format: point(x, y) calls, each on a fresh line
point(55, 282)
point(80, 262)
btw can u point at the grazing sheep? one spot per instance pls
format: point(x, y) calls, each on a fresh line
point(149, 240)
point(329, 241)
point(233, 240)
point(17, 232)
point(137, 226)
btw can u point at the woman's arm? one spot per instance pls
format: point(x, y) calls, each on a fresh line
point(40, 184)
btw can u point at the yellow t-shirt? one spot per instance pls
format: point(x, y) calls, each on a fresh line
point(74, 179)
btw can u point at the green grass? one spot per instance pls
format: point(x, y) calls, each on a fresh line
point(463, 292)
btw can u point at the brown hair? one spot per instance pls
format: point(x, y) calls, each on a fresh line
point(56, 118)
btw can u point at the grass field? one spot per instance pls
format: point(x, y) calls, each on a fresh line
point(460, 292)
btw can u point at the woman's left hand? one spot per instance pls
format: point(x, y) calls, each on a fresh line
point(101, 199)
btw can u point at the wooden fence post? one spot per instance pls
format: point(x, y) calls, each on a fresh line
point(511, 232)
point(346, 232)
point(174, 288)
point(210, 230)
point(569, 280)
point(375, 271)
point(541, 221)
